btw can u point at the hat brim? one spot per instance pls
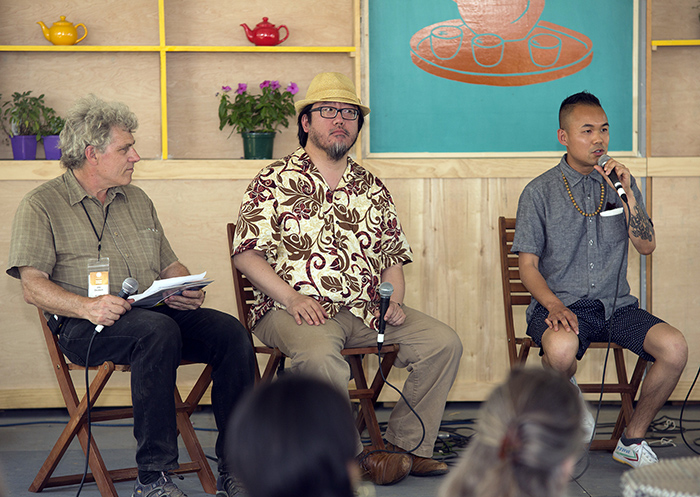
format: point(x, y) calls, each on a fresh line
point(300, 104)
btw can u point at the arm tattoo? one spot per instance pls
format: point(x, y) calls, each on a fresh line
point(640, 225)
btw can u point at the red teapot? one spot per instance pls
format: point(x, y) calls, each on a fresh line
point(265, 33)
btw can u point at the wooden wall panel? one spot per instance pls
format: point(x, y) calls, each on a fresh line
point(109, 22)
point(455, 276)
point(216, 23)
point(675, 102)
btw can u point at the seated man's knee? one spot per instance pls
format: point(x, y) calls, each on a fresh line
point(669, 346)
point(560, 349)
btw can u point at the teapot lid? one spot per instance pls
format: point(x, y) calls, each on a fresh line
point(63, 21)
point(265, 24)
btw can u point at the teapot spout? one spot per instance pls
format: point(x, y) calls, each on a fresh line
point(248, 32)
point(45, 30)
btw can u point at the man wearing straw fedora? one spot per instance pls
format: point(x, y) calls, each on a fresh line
point(317, 234)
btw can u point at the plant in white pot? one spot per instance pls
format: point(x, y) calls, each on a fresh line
point(257, 117)
point(21, 121)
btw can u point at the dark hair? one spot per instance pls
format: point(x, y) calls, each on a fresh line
point(294, 437)
point(581, 98)
point(527, 429)
point(306, 111)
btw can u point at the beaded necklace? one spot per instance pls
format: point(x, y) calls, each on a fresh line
point(600, 206)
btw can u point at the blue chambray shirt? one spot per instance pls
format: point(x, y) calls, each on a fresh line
point(579, 256)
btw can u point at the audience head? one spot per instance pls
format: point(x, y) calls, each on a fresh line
point(90, 122)
point(294, 437)
point(527, 439)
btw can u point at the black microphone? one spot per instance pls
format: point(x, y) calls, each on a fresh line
point(129, 286)
point(386, 289)
point(602, 160)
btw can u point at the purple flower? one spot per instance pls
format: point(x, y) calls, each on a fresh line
point(265, 84)
point(274, 85)
point(242, 88)
point(293, 88)
point(226, 88)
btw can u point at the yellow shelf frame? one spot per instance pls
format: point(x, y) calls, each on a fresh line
point(162, 49)
point(674, 43)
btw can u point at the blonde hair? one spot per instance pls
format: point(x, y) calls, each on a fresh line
point(527, 429)
point(90, 122)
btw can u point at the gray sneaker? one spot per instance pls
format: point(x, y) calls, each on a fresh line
point(227, 486)
point(163, 487)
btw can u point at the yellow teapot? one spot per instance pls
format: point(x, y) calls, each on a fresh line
point(63, 32)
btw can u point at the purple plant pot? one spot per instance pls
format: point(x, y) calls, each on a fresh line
point(24, 147)
point(51, 147)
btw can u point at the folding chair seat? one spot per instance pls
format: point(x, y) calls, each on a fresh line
point(367, 395)
point(77, 426)
point(515, 294)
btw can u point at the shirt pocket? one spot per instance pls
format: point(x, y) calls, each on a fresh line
point(150, 241)
point(612, 229)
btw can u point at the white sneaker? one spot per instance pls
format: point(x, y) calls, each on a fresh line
point(635, 455)
point(588, 421)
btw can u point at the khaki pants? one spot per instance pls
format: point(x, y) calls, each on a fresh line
point(429, 350)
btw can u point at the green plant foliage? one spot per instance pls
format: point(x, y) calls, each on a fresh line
point(264, 112)
point(23, 114)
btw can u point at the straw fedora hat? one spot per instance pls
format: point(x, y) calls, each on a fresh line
point(331, 87)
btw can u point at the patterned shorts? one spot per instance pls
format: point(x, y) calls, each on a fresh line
point(628, 325)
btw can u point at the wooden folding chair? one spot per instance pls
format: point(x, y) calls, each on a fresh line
point(515, 294)
point(366, 395)
point(77, 426)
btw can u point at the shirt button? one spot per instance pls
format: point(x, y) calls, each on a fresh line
point(591, 265)
point(590, 242)
point(592, 285)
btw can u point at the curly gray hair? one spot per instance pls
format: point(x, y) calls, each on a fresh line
point(90, 122)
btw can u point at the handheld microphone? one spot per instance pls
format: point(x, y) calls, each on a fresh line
point(129, 286)
point(602, 160)
point(385, 290)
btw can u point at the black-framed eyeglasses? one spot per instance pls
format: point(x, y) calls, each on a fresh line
point(348, 113)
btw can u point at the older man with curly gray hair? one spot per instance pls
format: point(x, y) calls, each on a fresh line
point(92, 217)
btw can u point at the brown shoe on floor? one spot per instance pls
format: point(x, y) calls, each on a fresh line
point(384, 468)
point(423, 466)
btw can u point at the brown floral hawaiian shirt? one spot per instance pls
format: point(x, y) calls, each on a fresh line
point(329, 244)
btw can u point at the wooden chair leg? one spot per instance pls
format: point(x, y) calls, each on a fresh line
point(199, 463)
point(77, 426)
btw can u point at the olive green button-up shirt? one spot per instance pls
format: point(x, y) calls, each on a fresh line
point(52, 233)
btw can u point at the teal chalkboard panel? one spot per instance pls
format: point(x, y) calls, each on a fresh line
point(436, 83)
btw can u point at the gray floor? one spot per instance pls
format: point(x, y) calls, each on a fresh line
point(26, 438)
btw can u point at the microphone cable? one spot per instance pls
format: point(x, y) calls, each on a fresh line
point(607, 352)
point(422, 425)
point(685, 402)
point(89, 424)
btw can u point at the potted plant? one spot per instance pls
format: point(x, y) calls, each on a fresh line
point(21, 121)
point(257, 117)
point(51, 127)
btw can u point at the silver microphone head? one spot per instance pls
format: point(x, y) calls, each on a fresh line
point(129, 286)
point(386, 289)
point(603, 159)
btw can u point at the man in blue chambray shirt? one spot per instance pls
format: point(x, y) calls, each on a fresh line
point(572, 236)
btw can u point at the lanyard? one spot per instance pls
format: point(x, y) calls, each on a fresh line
point(99, 237)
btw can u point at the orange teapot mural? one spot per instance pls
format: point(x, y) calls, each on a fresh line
point(265, 33)
point(63, 32)
point(500, 43)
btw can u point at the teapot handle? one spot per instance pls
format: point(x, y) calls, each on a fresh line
point(84, 35)
point(285, 28)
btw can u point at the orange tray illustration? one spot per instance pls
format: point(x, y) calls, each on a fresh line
point(450, 50)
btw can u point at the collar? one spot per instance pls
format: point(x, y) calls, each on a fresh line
point(352, 170)
point(573, 176)
point(76, 193)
